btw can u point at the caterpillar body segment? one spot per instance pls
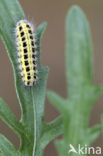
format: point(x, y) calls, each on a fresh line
point(27, 52)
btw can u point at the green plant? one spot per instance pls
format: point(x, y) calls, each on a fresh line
point(33, 131)
point(82, 94)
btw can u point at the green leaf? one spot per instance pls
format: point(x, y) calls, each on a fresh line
point(62, 148)
point(34, 133)
point(79, 59)
point(91, 95)
point(26, 96)
point(31, 99)
point(41, 29)
point(38, 97)
point(82, 94)
point(93, 133)
point(6, 148)
point(8, 117)
point(50, 132)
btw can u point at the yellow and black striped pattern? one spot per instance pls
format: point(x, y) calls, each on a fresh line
point(27, 52)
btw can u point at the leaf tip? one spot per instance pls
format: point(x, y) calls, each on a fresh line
point(75, 11)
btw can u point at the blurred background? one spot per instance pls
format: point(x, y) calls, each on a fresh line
point(53, 55)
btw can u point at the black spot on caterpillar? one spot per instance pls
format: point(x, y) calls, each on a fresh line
point(27, 52)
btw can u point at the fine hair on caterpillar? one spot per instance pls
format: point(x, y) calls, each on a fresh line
point(27, 52)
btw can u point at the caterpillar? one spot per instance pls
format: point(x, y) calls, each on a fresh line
point(26, 40)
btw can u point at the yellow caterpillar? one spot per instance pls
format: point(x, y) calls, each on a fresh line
point(27, 52)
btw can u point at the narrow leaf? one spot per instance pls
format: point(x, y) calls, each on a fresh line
point(93, 133)
point(79, 61)
point(41, 29)
point(6, 148)
point(50, 131)
point(8, 117)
